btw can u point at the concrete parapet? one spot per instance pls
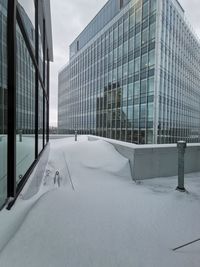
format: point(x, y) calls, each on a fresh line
point(152, 161)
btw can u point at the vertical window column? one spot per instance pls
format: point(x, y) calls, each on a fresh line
point(3, 104)
point(11, 57)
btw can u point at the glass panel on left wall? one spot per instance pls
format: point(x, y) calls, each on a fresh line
point(3, 102)
point(25, 106)
point(27, 12)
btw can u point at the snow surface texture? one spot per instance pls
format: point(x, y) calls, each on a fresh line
point(92, 214)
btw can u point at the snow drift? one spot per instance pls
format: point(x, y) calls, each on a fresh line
point(107, 220)
point(98, 156)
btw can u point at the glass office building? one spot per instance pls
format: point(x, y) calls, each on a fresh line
point(25, 53)
point(133, 75)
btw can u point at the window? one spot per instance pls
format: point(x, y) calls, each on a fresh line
point(145, 34)
point(132, 20)
point(125, 70)
point(144, 87)
point(131, 44)
point(120, 72)
point(124, 92)
point(25, 111)
point(115, 34)
point(115, 55)
point(137, 64)
point(138, 40)
point(143, 111)
point(151, 85)
point(120, 29)
point(131, 67)
point(137, 88)
point(130, 114)
point(125, 48)
point(138, 15)
point(152, 31)
point(126, 28)
point(144, 63)
point(153, 5)
point(136, 113)
point(120, 51)
point(114, 75)
point(150, 111)
point(152, 58)
point(145, 10)
point(130, 91)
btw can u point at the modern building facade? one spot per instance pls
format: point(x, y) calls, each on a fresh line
point(133, 75)
point(25, 54)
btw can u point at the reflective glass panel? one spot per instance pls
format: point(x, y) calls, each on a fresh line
point(27, 12)
point(28, 6)
point(25, 106)
point(40, 120)
point(3, 102)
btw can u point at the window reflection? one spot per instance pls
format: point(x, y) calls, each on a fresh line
point(29, 8)
point(25, 117)
point(3, 103)
point(27, 12)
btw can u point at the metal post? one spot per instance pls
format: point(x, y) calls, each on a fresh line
point(20, 135)
point(75, 136)
point(11, 81)
point(48, 82)
point(36, 77)
point(44, 72)
point(181, 145)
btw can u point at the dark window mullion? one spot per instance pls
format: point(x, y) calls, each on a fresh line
point(44, 57)
point(48, 69)
point(36, 76)
point(11, 58)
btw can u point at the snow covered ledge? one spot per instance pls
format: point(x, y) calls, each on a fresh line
point(152, 161)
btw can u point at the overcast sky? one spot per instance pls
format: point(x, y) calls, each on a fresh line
point(69, 18)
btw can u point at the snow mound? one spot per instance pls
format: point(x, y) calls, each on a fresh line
point(104, 221)
point(99, 156)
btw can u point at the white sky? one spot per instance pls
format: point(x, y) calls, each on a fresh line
point(69, 18)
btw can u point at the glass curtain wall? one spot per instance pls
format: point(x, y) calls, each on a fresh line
point(40, 120)
point(31, 96)
point(24, 102)
point(25, 91)
point(3, 102)
point(111, 90)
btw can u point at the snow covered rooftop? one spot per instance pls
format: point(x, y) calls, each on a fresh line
point(91, 214)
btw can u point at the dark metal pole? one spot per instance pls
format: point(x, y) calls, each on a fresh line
point(181, 145)
point(20, 135)
point(44, 50)
point(36, 76)
point(11, 59)
point(48, 95)
point(75, 135)
point(44, 58)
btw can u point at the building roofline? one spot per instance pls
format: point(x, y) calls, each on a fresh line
point(63, 68)
point(90, 22)
point(106, 5)
point(179, 4)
